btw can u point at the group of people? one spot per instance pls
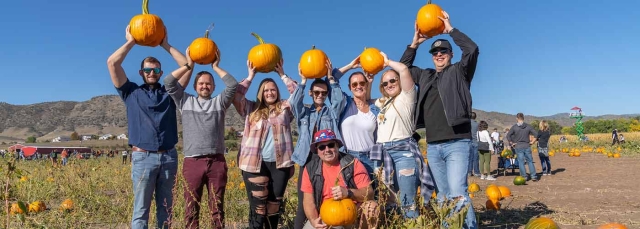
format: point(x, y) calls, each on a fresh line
point(343, 138)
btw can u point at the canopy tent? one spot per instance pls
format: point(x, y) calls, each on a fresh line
point(15, 147)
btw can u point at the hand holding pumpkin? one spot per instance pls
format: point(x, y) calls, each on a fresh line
point(251, 69)
point(329, 69)
point(189, 60)
point(386, 59)
point(418, 37)
point(128, 35)
point(317, 223)
point(355, 63)
point(339, 192)
point(216, 62)
point(165, 40)
point(447, 23)
point(280, 67)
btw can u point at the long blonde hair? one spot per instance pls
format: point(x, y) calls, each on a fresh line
point(261, 112)
point(386, 96)
point(543, 126)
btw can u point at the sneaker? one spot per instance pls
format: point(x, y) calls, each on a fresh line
point(483, 177)
point(535, 179)
point(489, 177)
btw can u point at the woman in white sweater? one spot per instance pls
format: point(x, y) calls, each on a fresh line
point(485, 153)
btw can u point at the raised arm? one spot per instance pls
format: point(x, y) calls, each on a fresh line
point(470, 51)
point(242, 104)
point(178, 57)
point(173, 85)
point(409, 55)
point(231, 83)
point(114, 63)
point(407, 83)
point(296, 99)
point(337, 98)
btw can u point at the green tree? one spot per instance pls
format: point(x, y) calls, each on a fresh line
point(31, 139)
point(74, 136)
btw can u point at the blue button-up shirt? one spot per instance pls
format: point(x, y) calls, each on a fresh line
point(151, 115)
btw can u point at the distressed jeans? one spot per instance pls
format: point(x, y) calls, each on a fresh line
point(152, 171)
point(525, 155)
point(449, 163)
point(474, 159)
point(405, 177)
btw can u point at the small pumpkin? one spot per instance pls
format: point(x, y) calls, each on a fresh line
point(147, 29)
point(372, 61)
point(338, 212)
point(504, 191)
point(541, 223)
point(313, 63)
point(612, 226)
point(37, 206)
point(519, 180)
point(493, 193)
point(616, 155)
point(18, 208)
point(264, 56)
point(203, 50)
point(428, 22)
point(473, 187)
point(506, 153)
point(66, 205)
point(492, 205)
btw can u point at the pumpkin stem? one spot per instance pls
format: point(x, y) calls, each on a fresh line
point(313, 46)
point(145, 6)
point(347, 165)
point(258, 37)
point(206, 33)
point(429, 2)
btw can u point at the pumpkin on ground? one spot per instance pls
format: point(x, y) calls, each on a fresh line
point(519, 180)
point(541, 223)
point(37, 206)
point(473, 187)
point(264, 56)
point(203, 50)
point(493, 193)
point(372, 61)
point(612, 226)
point(427, 19)
point(313, 63)
point(17, 209)
point(338, 212)
point(492, 205)
point(66, 205)
point(147, 29)
point(504, 191)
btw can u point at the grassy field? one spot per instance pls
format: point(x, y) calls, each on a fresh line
point(100, 190)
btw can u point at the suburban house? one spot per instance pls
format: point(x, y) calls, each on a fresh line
point(105, 137)
point(122, 136)
point(61, 139)
point(85, 137)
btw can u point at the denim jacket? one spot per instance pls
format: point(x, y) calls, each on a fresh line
point(308, 118)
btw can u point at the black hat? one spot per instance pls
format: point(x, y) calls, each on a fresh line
point(440, 44)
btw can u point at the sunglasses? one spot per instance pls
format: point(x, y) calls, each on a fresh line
point(330, 145)
point(443, 51)
point(148, 70)
point(318, 93)
point(391, 81)
point(361, 83)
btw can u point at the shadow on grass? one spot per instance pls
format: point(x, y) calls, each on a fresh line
point(508, 218)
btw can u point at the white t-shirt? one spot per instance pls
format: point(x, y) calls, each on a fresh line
point(357, 129)
point(483, 136)
point(395, 122)
point(124, 153)
point(496, 136)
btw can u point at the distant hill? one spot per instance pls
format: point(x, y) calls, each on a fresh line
point(107, 115)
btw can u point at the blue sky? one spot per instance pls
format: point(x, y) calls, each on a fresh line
point(540, 58)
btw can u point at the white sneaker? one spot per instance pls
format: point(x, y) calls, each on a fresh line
point(490, 178)
point(483, 177)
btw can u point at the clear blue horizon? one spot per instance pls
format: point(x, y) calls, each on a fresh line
point(537, 58)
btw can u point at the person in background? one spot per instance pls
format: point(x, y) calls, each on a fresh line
point(474, 156)
point(543, 146)
point(485, 153)
point(124, 157)
point(621, 138)
point(65, 156)
point(495, 136)
point(614, 137)
point(518, 136)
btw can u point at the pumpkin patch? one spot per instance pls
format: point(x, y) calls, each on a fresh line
point(147, 29)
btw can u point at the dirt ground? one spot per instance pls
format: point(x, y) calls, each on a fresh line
point(583, 192)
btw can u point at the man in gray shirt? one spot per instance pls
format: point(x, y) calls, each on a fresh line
point(518, 137)
point(203, 130)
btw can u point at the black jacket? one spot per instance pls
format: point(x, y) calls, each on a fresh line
point(454, 85)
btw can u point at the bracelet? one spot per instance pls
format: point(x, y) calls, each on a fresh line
point(187, 65)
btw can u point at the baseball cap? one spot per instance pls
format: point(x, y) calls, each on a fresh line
point(440, 44)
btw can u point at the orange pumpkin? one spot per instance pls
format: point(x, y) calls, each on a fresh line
point(473, 187)
point(37, 206)
point(338, 212)
point(493, 205)
point(18, 208)
point(264, 56)
point(541, 223)
point(66, 205)
point(313, 63)
point(371, 60)
point(203, 50)
point(504, 191)
point(147, 29)
point(493, 193)
point(428, 22)
point(612, 226)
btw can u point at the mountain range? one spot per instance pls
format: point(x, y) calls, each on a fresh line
point(107, 115)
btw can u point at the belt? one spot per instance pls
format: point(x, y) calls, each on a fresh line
point(135, 148)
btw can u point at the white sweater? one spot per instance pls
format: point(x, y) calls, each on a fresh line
point(483, 136)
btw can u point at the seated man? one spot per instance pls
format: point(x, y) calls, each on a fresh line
point(318, 181)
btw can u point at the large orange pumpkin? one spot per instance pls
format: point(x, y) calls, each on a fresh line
point(371, 60)
point(493, 193)
point(338, 212)
point(147, 29)
point(203, 50)
point(264, 56)
point(612, 226)
point(541, 223)
point(492, 205)
point(428, 22)
point(504, 191)
point(313, 63)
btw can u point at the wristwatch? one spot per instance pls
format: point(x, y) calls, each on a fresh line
point(187, 65)
point(349, 194)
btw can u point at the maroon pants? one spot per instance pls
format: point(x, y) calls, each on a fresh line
point(210, 171)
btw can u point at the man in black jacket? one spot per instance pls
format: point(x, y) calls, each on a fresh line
point(444, 110)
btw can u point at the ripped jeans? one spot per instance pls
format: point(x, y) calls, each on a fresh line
point(449, 163)
point(265, 191)
point(405, 178)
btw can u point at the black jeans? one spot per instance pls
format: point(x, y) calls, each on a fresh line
point(259, 202)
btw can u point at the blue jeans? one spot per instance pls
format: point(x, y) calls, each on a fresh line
point(525, 155)
point(474, 159)
point(366, 161)
point(405, 177)
point(544, 160)
point(152, 171)
point(449, 163)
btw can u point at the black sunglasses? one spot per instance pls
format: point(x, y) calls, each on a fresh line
point(148, 70)
point(361, 83)
point(330, 145)
point(391, 81)
point(317, 93)
point(443, 51)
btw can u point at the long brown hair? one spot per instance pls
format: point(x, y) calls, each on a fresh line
point(261, 112)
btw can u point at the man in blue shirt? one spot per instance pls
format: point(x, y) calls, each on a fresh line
point(153, 132)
